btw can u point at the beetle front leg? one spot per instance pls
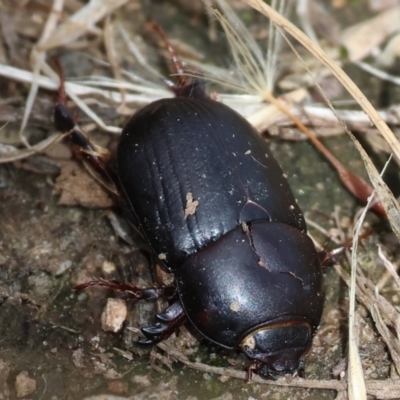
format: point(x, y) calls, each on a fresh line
point(168, 322)
point(132, 291)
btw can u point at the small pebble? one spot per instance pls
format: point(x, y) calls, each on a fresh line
point(114, 315)
point(24, 385)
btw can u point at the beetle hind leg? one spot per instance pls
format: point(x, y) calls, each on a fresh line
point(168, 322)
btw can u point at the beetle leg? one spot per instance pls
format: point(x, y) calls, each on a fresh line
point(131, 290)
point(300, 371)
point(95, 158)
point(250, 372)
point(329, 258)
point(183, 87)
point(169, 321)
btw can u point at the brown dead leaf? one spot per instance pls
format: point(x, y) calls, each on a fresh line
point(77, 188)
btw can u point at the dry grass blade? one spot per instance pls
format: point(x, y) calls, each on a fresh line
point(389, 266)
point(246, 52)
point(255, 72)
point(81, 22)
point(367, 295)
point(315, 116)
point(11, 156)
point(356, 389)
point(271, 115)
point(37, 59)
point(82, 105)
point(352, 88)
point(252, 76)
point(133, 48)
point(94, 86)
point(390, 339)
point(113, 56)
point(389, 202)
point(379, 73)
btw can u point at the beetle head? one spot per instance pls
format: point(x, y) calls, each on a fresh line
point(278, 348)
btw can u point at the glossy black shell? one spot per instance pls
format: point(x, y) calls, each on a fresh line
point(173, 147)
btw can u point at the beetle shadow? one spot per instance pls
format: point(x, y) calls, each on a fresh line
point(379, 159)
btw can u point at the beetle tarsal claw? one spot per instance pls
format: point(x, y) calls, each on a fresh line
point(154, 330)
point(145, 341)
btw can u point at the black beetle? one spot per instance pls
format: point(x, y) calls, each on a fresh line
point(206, 193)
point(247, 274)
